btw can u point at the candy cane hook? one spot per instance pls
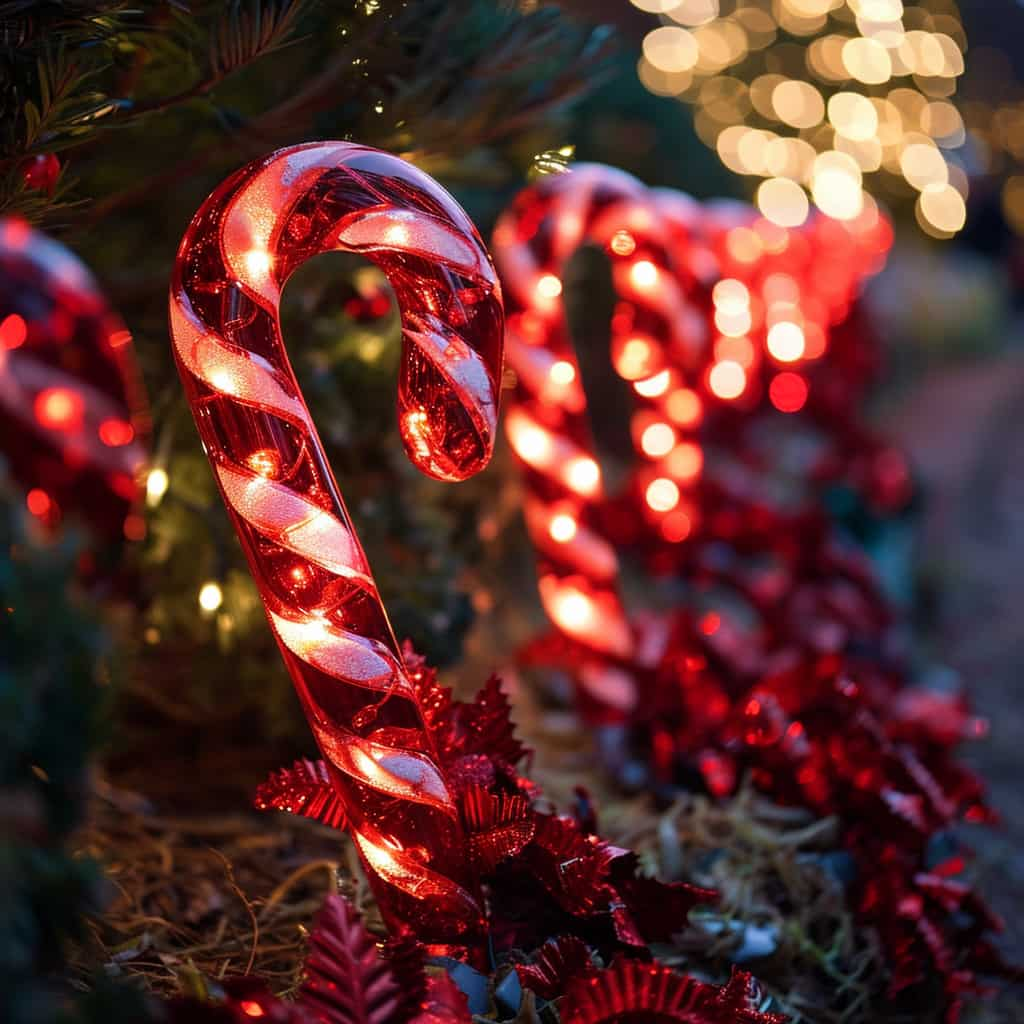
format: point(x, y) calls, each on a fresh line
point(316, 585)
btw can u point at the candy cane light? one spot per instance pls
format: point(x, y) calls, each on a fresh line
point(316, 585)
point(657, 336)
point(72, 413)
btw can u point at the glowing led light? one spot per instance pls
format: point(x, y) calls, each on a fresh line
point(622, 243)
point(116, 433)
point(662, 494)
point(690, 12)
point(786, 341)
point(257, 262)
point(684, 407)
point(654, 386)
point(943, 208)
point(633, 359)
point(583, 475)
point(730, 295)
point(867, 60)
point(798, 104)
point(157, 482)
point(783, 202)
point(727, 379)
point(788, 392)
point(562, 528)
point(59, 409)
point(923, 166)
point(13, 331)
point(657, 440)
point(836, 185)
point(211, 597)
point(251, 1008)
point(266, 462)
point(739, 350)
point(38, 502)
point(676, 526)
point(549, 287)
point(573, 611)
point(685, 461)
point(854, 116)
point(532, 444)
point(733, 325)
point(644, 274)
point(671, 49)
point(562, 372)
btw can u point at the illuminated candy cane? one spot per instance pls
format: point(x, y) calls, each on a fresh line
point(788, 333)
point(316, 585)
point(656, 335)
point(72, 413)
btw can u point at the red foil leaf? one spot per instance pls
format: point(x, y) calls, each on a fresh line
point(554, 964)
point(484, 726)
point(346, 980)
point(304, 789)
point(660, 910)
point(499, 826)
point(629, 990)
point(445, 1003)
point(573, 868)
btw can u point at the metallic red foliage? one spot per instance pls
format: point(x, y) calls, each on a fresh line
point(303, 789)
point(633, 991)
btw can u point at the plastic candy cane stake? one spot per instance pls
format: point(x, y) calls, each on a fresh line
point(316, 585)
point(72, 411)
point(654, 332)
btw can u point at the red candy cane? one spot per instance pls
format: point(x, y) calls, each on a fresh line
point(654, 331)
point(316, 585)
point(71, 407)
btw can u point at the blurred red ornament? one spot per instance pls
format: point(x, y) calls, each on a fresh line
point(41, 172)
point(72, 412)
point(366, 711)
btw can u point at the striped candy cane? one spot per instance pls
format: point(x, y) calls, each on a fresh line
point(316, 585)
point(72, 412)
point(657, 335)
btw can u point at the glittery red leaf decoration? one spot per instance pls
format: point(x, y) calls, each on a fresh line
point(346, 980)
point(630, 990)
point(484, 726)
point(499, 826)
point(572, 867)
point(656, 910)
point(445, 1003)
point(303, 789)
point(555, 963)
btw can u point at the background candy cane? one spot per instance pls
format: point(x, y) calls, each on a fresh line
point(707, 296)
point(654, 331)
point(72, 413)
point(317, 588)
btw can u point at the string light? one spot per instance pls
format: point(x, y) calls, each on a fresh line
point(211, 597)
point(867, 84)
point(157, 482)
